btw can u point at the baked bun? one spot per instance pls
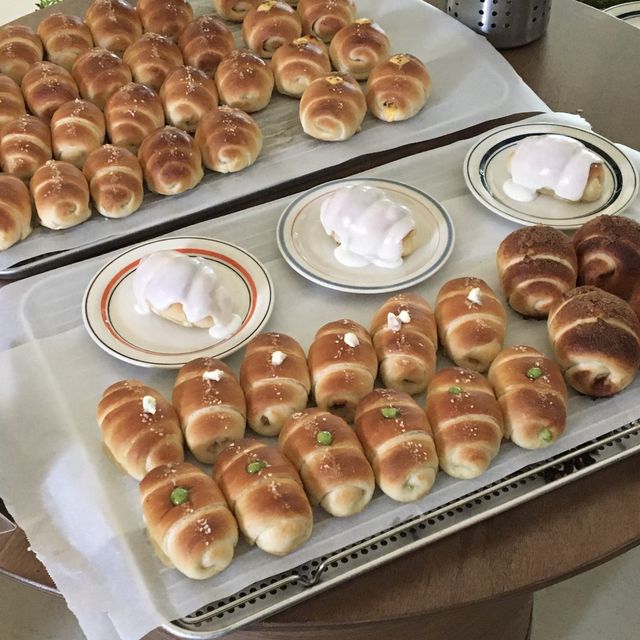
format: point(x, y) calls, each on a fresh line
point(244, 81)
point(114, 24)
point(171, 161)
point(65, 38)
point(229, 140)
point(151, 58)
point(47, 86)
point(188, 520)
point(297, 64)
point(15, 211)
point(634, 302)
point(205, 42)
point(537, 265)
point(332, 108)
point(234, 10)
point(115, 181)
point(324, 18)
point(596, 340)
point(20, 49)
point(25, 145)
point(169, 18)
point(270, 25)
point(11, 100)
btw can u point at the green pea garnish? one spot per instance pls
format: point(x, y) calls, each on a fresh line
point(455, 391)
point(389, 412)
point(179, 495)
point(256, 466)
point(324, 438)
point(546, 435)
point(534, 372)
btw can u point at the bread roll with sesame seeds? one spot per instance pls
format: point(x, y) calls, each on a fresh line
point(114, 24)
point(11, 100)
point(47, 86)
point(169, 18)
point(205, 42)
point(324, 18)
point(20, 49)
point(234, 10)
point(65, 38)
point(151, 58)
point(25, 145)
point(270, 25)
point(15, 211)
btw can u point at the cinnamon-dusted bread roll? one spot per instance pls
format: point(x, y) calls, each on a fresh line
point(205, 42)
point(171, 161)
point(169, 18)
point(266, 496)
point(20, 49)
point(244, 81)
point(187, 94)
point(466, 420)
point(65, 38)
point(47, 86)
point(15, 211)
point(398, 442)
point(25, 145)
point(115, 181)
point(211, 406)
point(330, 460)
point(536, 266)
point(139, 427)
point(471, 322)
point(114, 24)
point(151, 58)
point(532, 395)
point(275, 379)
point(77, 129)
point(234, 10)
point(343, 366)
point(324, 18)
point(406, 340)
point(188, 520)
point(61, 195)
point(270, 25)
point(297, 64)
point(332, 108)
point(99, 73)
point(596, 340)
point(229, 140)
point(11, 100)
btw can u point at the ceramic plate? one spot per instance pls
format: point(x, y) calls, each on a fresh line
point(485, 172)
point(309, 250)
point(152, 341)
point(628, 11)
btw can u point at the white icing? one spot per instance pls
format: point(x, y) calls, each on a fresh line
point(351, 339)
point(475, 295)
point(215, 375)
point(404, 317)
point(393, 322)
point(368, 225)
point(149, 404)
point(277, 358)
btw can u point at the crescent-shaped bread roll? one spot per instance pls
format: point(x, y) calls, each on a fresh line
point(11, 100)
point(234, 10)
point(169, 18)
point(596, 340)
point(139, 427)
point(229, 140)
point(211, 406)
point(324, 18)
point(65, 38)
point(188, 520)
point(634, 302)
point(205, 42)
point(532, 395)
point(406, 340)
point(171, 161)
point(20, 49)
point(47, 86)
point(329, 458)
point(115, 181)
point(270, 25)
point(151, 58)
point(398, 442)
point(471, 322)
point(275, 379)
point(25, 145)
point(114, 24)
point(466, 420)
point(343, 366)
point(266, 496)
point(536, 266)
point(15, 211)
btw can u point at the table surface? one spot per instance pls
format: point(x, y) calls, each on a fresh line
point(586, 63)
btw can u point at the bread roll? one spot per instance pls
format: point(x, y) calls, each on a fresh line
point(187, 94)
point(466, 420)
point(171, 161)
point(270, 25)
point(20, 49)
point(115, 181)
point(25, 145)
point(188, 520)
point(536, 266)
point(406, 340)
point(244, 81)
point(398, 442)
point(65, 38)
point(266, 495)
point(139, 427)
point(324, 18)
point(596, 340)
point(47, 86)
point(169, 18)
point(297, 64)
point(634, 302)
point(229, 140)
point(234, 10)
point(151, 58)
point(11, 101)
point(343, 367)
point(15, 211)
point(275, 379)
point(205, 42)
point(211, 406)
point(114, 24)
point(471, 322)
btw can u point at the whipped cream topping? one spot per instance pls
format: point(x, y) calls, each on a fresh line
point(475, 295)
point(351, 339)
point(277, 358)
point(394, 322)
point(214, 375)
point(149, 404)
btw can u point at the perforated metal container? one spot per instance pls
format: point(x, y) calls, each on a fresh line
point(505, 23)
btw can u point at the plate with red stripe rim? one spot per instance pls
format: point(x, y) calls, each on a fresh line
point(151, 341)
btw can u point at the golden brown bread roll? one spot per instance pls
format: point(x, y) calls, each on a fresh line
point(265, 494)
point(205, 42)
point(114, 24)
point(234, 10)
point(275, 379)
point(20, 49)
point(536, 266)
point(398, 442)
point(151, 58)
point(466, 420)
point(65, 38)
point(115, 181)
point(244, 81)
point(11, 100)
point(47, 86)
point(343, 366)
point(187, 94)
point(211, 406)
point(471, 322)
point(330, 460)
point(270, 25)
point(324, 18)
point(229, 140)
point(297, 64)
point(15, 211)
point(596, 340)
point(406, 340)
point(25, 145)
point(169, 18)
point(171, 161)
